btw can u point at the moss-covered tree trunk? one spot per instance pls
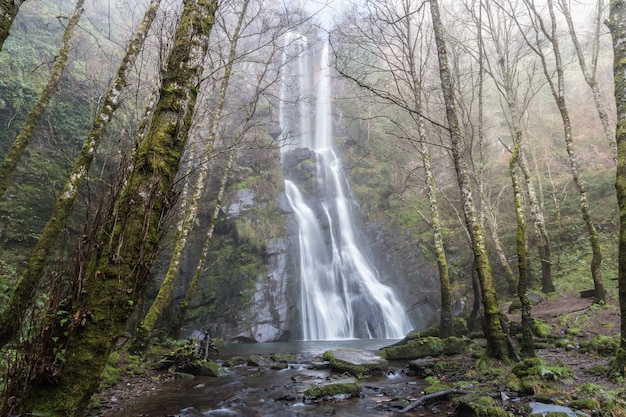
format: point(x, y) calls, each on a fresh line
point(497, 346)
point(119, 272)
point(164, 296)
point(29, 280)
point(22, 140)
point(617, 26)
point(549, 30)
point(543, 239)
point(8, 11)
point(445, 322)
point(183, 307)
point(526, 343)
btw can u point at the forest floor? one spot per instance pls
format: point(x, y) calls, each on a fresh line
point(573, 321)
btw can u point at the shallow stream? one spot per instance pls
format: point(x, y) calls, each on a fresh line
point(258, 391)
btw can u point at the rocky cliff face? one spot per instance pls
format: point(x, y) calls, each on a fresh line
point(252, 292)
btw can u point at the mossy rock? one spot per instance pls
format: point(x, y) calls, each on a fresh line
point(536, 368)
point(515, 306)
point(435, 385)
point(585, 404)
point(236, 361)
point(479, 406)
point(426, 346)
point(459, 329)
point(202, 368)
point(256, 360)
point(282, 357)
point(603, 345)
point(337, 389)
point(356, 362)
point(541, 329)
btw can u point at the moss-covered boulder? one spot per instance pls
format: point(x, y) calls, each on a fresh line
point(333, 390)
point(356, 362)
point(479, 406)
point(422, 347)
point(603, 345)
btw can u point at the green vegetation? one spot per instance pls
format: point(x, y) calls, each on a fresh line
point(342, 388)
point(421, 347)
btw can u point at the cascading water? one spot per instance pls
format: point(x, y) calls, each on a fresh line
point(341, 296)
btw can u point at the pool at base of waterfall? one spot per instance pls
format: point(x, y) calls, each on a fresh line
point(247, 391)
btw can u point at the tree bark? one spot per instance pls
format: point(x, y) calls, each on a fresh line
point(590, 73)
point(182, 308)
point(558, 92)
point(22, 140)
point(30, 278)
point(119, 272)
point(617, 26)
point(496, 339)
point(8, 11)
point(164, 296)
point(526, 343)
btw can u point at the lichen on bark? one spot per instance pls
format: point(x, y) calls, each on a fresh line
point(617, 27)
point(118, 273)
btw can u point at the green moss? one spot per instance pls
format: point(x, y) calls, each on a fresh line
point(358, 371)
point(475, 405)
point(585, 404)
point(603, 345)
point(426, 346)
point(541, 329)
point(435, 385)
point(347, 387)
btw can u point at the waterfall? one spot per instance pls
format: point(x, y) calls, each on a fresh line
point(341, 295)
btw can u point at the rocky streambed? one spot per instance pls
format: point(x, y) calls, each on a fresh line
point(442, 378)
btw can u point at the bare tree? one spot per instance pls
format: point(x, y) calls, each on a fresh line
point(497, 346)
point(589, 70)
point(15, 152)
point(548, 29)
point(395, 34)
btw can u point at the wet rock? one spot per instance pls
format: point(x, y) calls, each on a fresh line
point(333, 390)
point(355, 361)
point(538, 409)
point(422, 347)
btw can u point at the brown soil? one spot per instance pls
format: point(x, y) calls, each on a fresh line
point(578, 319)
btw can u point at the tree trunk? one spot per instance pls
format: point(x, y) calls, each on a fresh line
point(181, 311)
point(559, 96)
point(120, 270)
point(590, 73)
point(164, 296)
point(30, 278)
point(445, 323)
point(20, 143)
point(8, 11)
point(617, 26)
point(543, 240)
point(496, 339)
point(526, 343)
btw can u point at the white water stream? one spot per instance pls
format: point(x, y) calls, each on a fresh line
point(341, 294)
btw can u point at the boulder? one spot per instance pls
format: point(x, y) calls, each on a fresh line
point(423, 347)
point(356, 362)
point(333, 390)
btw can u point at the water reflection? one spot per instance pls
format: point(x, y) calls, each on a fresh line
point(255, 391)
